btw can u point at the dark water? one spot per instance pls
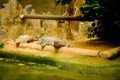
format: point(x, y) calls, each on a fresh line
point(18, 70)
point(11, 69)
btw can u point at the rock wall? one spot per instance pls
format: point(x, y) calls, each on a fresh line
point(39, 7)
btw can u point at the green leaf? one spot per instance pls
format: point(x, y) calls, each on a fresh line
point(86, 5)
point(96, 8)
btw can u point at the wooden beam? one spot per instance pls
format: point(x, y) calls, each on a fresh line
point(51, 17)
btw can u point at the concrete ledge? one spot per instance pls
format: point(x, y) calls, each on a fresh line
point(111, 53)
point(84, 52)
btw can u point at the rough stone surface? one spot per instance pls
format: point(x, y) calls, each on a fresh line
point(28, 9)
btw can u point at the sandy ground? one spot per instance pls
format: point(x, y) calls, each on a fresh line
point(96, 44)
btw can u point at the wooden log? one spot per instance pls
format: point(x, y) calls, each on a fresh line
point(54, 17)
point(111, 53)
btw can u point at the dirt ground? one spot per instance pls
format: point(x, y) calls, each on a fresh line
point(96, 44)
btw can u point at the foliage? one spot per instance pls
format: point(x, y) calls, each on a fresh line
point(1, 45)
point(95, 29)
point(104, 11)
point(91, 10)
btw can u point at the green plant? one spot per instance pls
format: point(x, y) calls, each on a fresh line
point(106, 12)
point(1, 44)
point(91, 10)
